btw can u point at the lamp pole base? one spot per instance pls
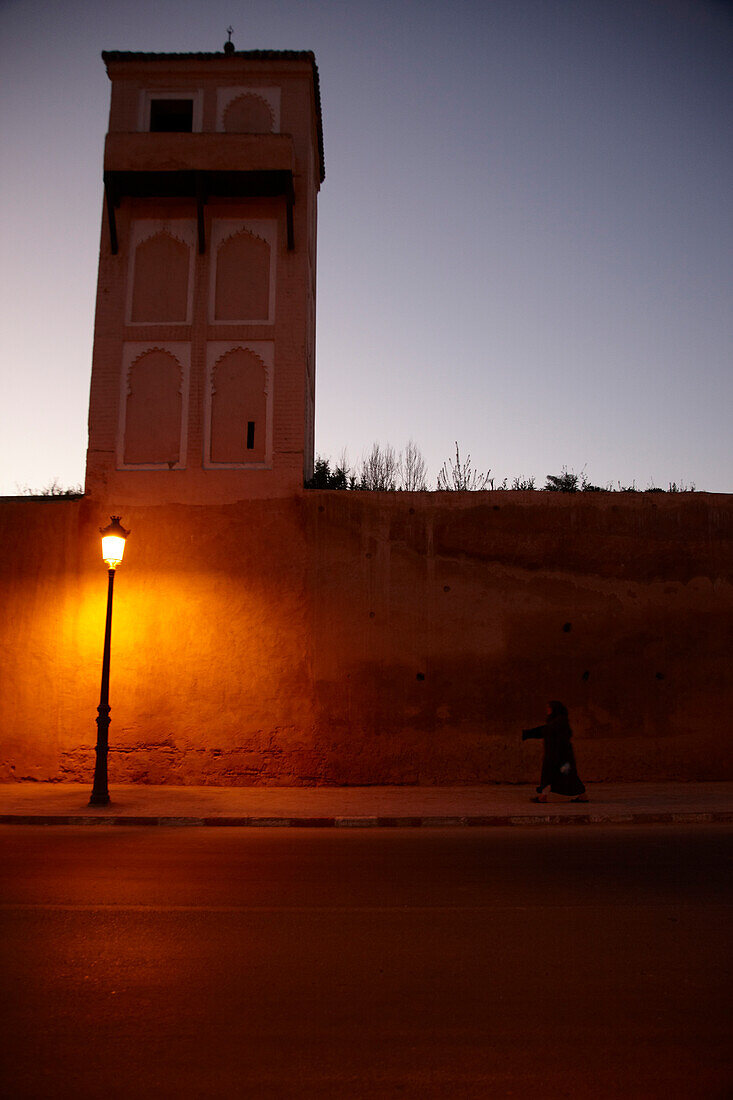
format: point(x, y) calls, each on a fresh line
point(100, 792)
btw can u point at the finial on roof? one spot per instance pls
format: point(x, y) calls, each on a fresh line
point(229, 45)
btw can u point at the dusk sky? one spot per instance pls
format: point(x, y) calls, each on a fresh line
point(524, 231)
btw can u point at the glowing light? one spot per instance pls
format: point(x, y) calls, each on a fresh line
point(113, 542)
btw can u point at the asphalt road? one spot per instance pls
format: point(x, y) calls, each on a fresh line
point(522, 962)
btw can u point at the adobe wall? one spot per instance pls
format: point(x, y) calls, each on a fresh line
point(370, 638)
point(443, 622)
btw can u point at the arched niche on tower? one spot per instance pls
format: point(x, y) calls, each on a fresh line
point(243, 273)
point(248, 110)
point(154, 406)
point(249, 113)
point(160, 287)
point(239, 406)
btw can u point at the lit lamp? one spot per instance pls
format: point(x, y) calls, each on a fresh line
point(113, 549)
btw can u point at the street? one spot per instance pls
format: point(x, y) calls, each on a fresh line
point(578, 961)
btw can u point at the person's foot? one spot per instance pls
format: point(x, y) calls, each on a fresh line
point(539, 798)
point(580, 798)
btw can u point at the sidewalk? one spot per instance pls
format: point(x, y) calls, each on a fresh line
point(610, 803)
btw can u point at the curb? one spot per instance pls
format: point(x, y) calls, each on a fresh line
point(482, 821)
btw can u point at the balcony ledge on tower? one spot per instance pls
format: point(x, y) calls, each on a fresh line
point(197, 166)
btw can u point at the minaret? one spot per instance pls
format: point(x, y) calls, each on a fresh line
point(203, 373)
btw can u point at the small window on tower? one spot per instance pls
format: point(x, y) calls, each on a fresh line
point(250, 435)
point(171, 116)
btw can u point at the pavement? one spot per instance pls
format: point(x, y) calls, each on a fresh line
point(34, 803)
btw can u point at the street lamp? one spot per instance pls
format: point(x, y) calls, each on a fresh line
point(113, 549)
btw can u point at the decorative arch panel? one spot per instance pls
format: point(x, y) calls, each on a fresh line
point(154, 406)
point(248, 114)
point(239, 405)
point(160, 283)
point(248, 110)
point(243, 272)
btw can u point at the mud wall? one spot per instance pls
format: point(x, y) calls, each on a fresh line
point(370, 638)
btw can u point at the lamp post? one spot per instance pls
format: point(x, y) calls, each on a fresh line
point(113, 549)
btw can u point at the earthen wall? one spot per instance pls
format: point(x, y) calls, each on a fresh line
point(357, 638)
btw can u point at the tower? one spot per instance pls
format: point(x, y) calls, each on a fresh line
point(203, 371)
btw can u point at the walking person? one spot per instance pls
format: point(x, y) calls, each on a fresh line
point(559, 773)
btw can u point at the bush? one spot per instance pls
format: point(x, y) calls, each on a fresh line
point(460, 477)
point(565, 482)
point(413, 472)
point(384, 470)
point(326, 478)
point(55, 489)
point(680, 487)
point(380, 470)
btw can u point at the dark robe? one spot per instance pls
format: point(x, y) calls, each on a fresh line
point(559, 772)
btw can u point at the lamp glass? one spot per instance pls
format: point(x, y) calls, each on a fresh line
point(113, 549)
